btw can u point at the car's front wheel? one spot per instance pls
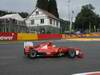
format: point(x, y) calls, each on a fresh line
point(32, 53)
point(71, 53)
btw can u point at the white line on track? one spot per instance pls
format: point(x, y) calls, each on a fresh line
point(88, 73)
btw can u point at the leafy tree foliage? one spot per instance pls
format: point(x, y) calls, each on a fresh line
point(23, 14)
point(43, 4)
point(52, 8)
point(48, 5)
point(87, 20)
point(2, 13)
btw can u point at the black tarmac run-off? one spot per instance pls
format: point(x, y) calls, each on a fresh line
point(13, 61)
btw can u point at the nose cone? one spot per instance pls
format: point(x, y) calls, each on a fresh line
point(81, 55)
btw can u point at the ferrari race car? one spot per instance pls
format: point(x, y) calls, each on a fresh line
point(48, 49)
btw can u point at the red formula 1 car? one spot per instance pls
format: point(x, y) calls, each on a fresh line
point(49, 49)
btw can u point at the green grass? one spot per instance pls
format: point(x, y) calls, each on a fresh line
point(7, 42)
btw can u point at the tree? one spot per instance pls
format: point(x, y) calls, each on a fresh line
point(52, 8)
point(2, 13)
point(23, 14)
point(43, 4)
point(86, 20)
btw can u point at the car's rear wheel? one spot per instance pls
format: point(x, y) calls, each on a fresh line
point(71, 53)
point(32, 53)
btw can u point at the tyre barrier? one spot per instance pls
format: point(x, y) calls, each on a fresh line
point(8, 36)
point(73, 36)
point(32, 36)
point(27, 36)
point(49, 36)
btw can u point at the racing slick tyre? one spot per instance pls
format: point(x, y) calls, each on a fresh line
point(32, 53)
point(72, 53)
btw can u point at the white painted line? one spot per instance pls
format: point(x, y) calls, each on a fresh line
point(88, 73)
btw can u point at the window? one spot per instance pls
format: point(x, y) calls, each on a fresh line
point(7, 29)
point(54, 22)
point(0, 30)
point(57, 23)
point(37, 12)
point(32, 21)
point(50, 21)
point(42, 21)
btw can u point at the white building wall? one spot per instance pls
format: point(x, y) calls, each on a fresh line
point(54, 23)
point(37, 20)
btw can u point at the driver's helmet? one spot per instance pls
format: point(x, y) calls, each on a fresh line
point(30, 44)
point(50, 43)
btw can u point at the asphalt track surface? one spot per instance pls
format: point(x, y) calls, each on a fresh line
point(13, 61)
